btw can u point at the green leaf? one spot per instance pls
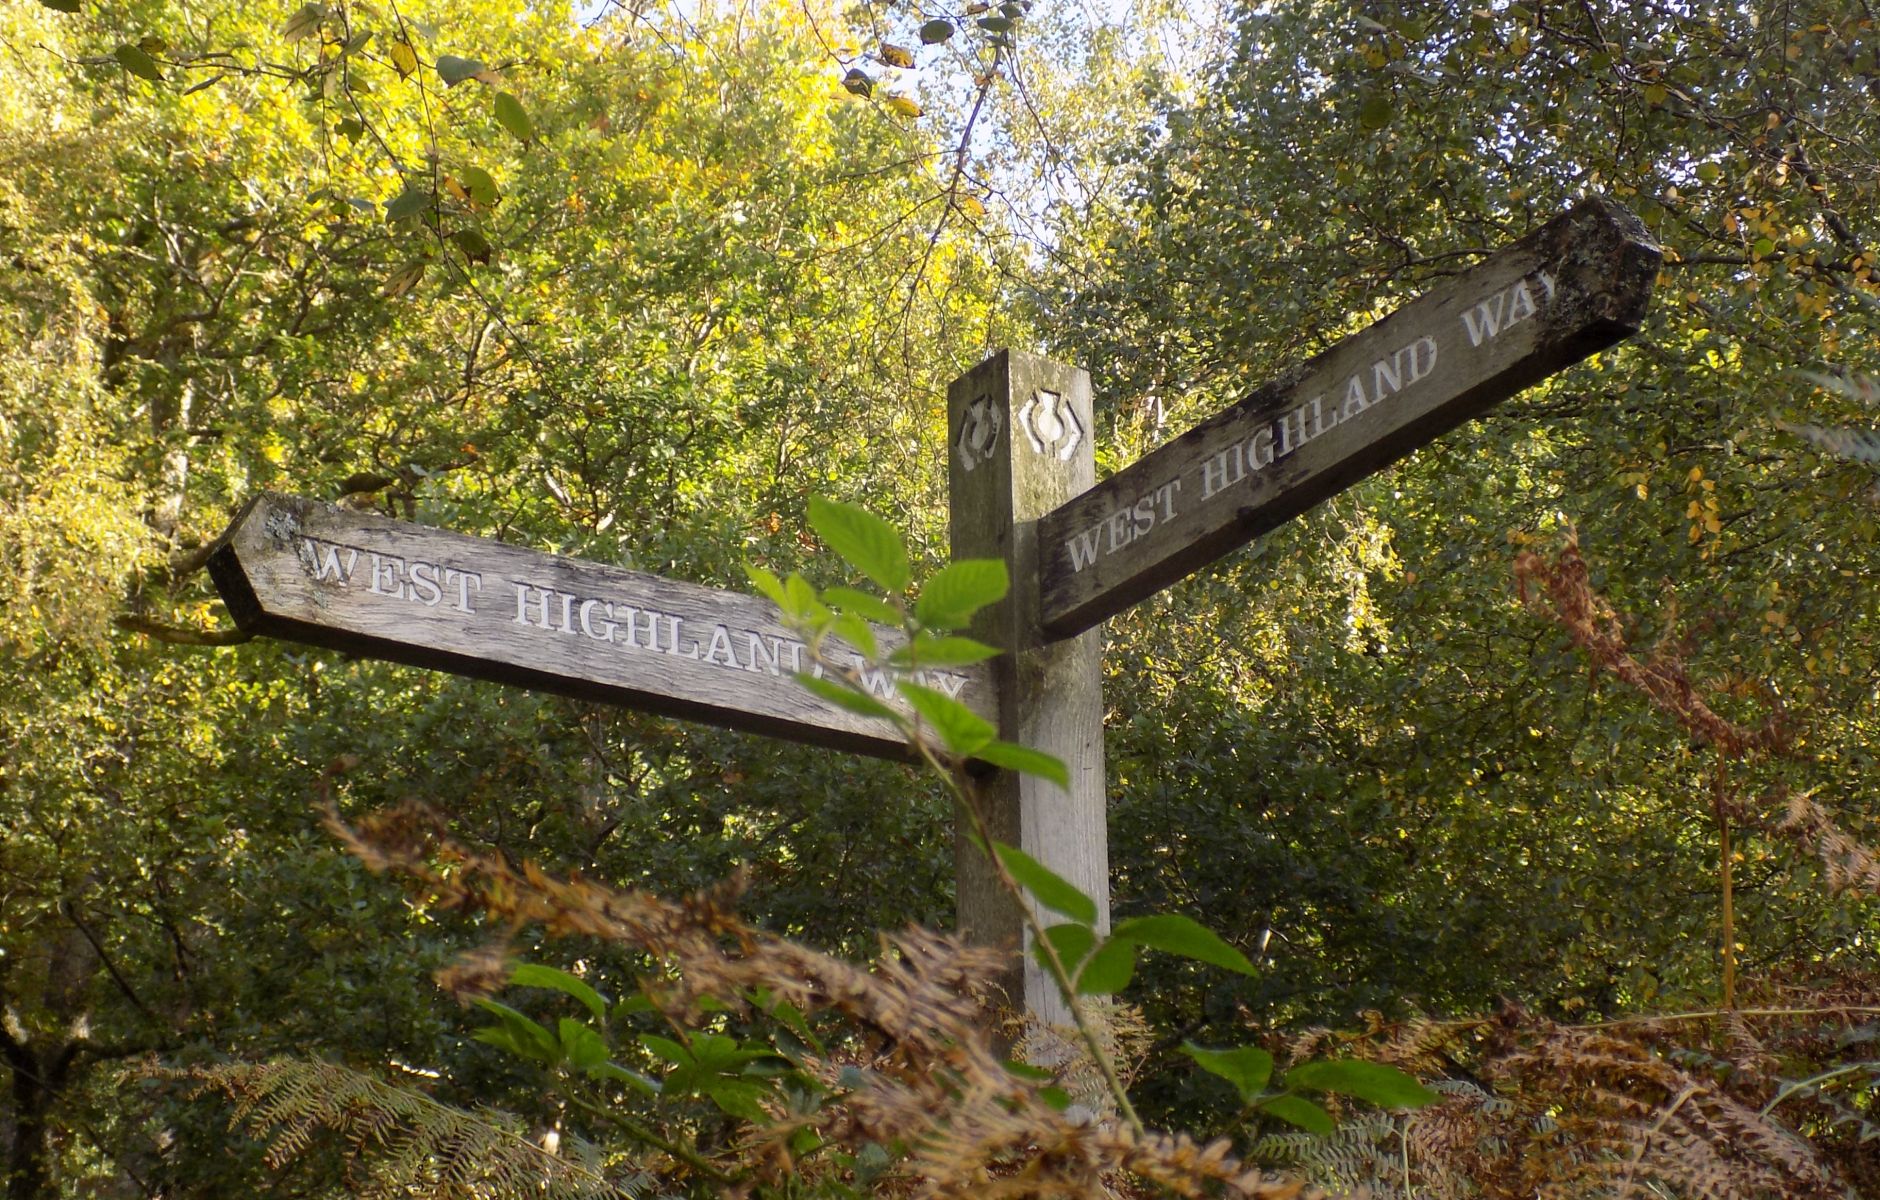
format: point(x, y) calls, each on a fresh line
point(739, 1098)
point(481, 185)
point(454, 70)
point(845, 697)
point(403, 279)
point(1055, 1097)
point(1014, 757)
point(583, 1048)
point(1384, 1086)
point(800, 602)
point(633, 1079)
point(667, 1049)
point(996, 25)
point(305, 20)
point(927, 650)
point(1073, 944)
point(1109, 970)
point(862, 604)
point(1173, 933)
point(407, 203)
point(474, 245)
point(1375, 112)
point(936, 31)
point(1301, 1112)
point(528, 1037)
point(855, 631)
point(553, 978)
point(961, 729)
point(1027, 1072)
point(767, 583)
point(138, 63)
point(961, 589)
point(865, 541)
point(512, 116)
point(1051, 890)
point(64, 6)
point(1248, 1068)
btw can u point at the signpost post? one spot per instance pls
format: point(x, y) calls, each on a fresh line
point(1022, 485)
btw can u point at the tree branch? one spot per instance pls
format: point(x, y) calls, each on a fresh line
point(179, 636)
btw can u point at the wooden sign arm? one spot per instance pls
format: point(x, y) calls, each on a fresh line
point(1567, 290)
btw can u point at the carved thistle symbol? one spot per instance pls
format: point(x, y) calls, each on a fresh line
point(1051, 425)
point(979, 432)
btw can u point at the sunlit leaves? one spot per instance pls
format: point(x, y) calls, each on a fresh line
point(454, 70)
point(512, 116)
point(138, 63)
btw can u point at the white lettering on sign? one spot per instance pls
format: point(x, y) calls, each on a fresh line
point(1506, 309)
point(632, 628)
point(1275, 441)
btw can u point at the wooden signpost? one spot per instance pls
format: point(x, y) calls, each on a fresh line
point(1570, 288)
point(1023, 490)
point(328, 576)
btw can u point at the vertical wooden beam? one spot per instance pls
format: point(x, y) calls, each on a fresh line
point(1019, 444)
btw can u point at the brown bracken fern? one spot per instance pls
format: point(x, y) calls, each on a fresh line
point(936, 1083)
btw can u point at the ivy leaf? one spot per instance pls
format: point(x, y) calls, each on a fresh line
point(511, 116)
point(865, 541)
point(962, 730)
point(1382, 1085)
point(1173, 933)
point(1246, 1067)
point(959, 590)
point(1014, 757)
point(1047, 886)
point(1301, 1112)
point(454, 70)
point(138, 63)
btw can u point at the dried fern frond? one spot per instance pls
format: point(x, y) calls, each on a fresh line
point(1864, 389)
point(1635, 1125)
point(1561, 591)
point(1853, 444)
point(938, 1084)
point(408, 1143)
point(1849, 864)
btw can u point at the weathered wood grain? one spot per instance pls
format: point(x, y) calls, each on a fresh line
point(1019, 444)
point(1565, 291)
point(309, 572)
